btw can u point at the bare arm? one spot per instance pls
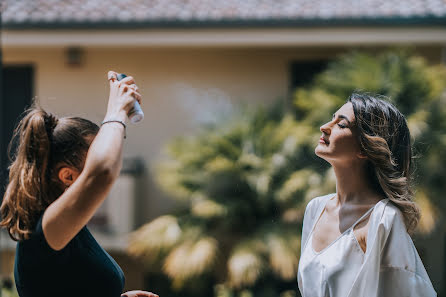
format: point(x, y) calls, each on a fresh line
point(66, 216)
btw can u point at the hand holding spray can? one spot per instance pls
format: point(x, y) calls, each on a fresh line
point(135, 114)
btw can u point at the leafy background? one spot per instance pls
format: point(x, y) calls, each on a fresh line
point(243, 184)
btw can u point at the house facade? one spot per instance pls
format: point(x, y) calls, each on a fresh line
point(190, 60)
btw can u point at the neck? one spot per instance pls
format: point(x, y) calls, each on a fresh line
point(352, 184)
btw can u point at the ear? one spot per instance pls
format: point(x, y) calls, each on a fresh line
point(362, 156)
point(67, 175)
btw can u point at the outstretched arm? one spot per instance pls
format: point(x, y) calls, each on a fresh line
point(66, 216)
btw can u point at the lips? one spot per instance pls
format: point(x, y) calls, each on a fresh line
point(323, 140)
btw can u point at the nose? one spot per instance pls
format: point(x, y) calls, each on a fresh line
point(325, 128)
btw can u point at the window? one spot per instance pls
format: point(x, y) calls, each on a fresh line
point(303, 72)
point(17, 92)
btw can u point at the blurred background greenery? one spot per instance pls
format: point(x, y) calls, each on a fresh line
point(243, 184)
point(241, 181)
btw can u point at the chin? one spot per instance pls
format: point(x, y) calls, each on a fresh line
point(320, 153)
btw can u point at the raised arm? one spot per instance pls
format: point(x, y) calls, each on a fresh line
point(66, 216)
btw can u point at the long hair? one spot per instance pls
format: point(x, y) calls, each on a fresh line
point(44, 143)
point(384, 138)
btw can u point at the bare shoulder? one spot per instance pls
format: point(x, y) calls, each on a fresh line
point(314, 203)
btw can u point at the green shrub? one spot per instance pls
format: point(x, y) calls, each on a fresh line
point(243, 185)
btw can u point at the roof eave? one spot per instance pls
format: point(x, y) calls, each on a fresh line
point(396, 21)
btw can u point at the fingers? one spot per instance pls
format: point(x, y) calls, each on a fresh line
point(127, 80)
point(136, 95)
point(146, 294)
point(135, 87)
point(122, 97)
point(130, 91)
point(112, 77)
point(132, 87)
point(128, 83)
point(138, 293)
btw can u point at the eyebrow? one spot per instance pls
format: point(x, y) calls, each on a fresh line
point(341, 116)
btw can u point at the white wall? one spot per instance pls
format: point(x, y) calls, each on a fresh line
point(170, 80)
point(175, 82)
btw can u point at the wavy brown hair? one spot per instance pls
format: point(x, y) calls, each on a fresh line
point(44, 144)
point(385, 139)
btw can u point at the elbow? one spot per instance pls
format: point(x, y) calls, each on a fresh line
point(106, 177)
point(103, 174)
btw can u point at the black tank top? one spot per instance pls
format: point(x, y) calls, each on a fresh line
point(82, 268)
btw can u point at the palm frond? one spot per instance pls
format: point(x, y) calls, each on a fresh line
point(282, 257)
point(191, 259)
point(299, 181)
point(260, 182)
point(169, 177)
point(245, 268)
point(246, 293)
point(289, 293)
point(222, 290)
point(429, 213)
point(417, 123)
point(152, 239)
point(207, 208)
point(219, 164)
point(246, 263)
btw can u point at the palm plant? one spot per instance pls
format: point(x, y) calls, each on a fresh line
point(415, 87)
point(243, 185)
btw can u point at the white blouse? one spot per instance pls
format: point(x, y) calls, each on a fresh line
point(389, 267)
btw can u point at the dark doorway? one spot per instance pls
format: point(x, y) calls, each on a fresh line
point(303, 72)
point(16, 96)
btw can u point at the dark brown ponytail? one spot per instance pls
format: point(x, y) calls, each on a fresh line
point(44, 143)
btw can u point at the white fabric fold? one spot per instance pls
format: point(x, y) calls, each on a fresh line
point(391, 266)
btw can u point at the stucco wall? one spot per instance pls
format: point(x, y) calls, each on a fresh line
point(177, 85)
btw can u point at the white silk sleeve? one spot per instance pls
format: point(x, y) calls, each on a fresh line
point(392, 266)
point(400, 282)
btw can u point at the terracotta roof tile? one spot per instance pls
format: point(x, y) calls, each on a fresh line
point(59, 12)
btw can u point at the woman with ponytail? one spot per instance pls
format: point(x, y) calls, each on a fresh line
point(356, 241)
point(62, 171)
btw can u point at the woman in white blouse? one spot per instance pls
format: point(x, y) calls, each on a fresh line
point(355, 242)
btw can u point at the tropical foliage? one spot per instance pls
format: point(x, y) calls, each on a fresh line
point(416, 88)
point(243, 185)
point(7, 288)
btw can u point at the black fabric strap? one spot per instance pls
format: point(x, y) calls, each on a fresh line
point(117, 121)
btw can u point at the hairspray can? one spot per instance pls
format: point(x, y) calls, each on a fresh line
point(135, 114)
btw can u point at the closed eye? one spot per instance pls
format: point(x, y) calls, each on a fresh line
point(340, 118)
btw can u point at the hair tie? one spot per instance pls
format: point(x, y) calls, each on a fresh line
point(50, 123)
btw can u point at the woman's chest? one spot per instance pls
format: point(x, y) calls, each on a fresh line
point(327, 272)
point(332, 225)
